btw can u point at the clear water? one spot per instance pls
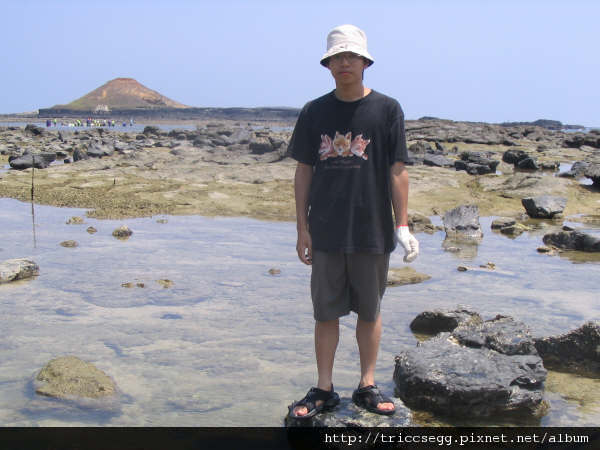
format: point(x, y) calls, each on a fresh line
point(228, 344)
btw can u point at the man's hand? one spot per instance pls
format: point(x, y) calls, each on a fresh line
point(304, 247)
point(409, 242)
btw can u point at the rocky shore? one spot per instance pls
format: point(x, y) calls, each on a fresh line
point(228, 168)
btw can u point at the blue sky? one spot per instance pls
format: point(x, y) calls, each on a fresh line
point(489, 61)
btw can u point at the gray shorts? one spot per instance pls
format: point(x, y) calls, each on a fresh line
point(344, 282)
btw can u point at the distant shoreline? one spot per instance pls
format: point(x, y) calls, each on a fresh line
point(260, 115)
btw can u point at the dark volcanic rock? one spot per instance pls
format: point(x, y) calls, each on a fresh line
point(260, 145)
point(577, 351)
point(149, 129)
point(437, 160)
point(98, 150)
point(347, 414)
point(514, 156)
point(593, 172)
point(528, 163)
point(544, 206)
point(463, 222)
point(476, 163)
point(577, 170)
point(503, 222)
point(80, 155)
point(502, 334)
point(34, 130)
point(573, 240)
point(434, 322)
point(28, 160)
point(450, 379)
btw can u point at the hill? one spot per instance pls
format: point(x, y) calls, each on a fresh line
point(120, 94)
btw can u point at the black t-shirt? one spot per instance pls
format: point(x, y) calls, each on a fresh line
point(351, 146)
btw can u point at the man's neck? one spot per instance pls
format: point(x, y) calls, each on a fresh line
point(351, 93)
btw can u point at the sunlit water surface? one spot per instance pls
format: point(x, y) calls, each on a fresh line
point(228, 343)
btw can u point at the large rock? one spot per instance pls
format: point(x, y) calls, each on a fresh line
point(80, 154)
point(513, 156)
point(347, 414)
point(28, 160)
point(576, 351)
point(447, 378)
point(593, 172)
point(151, 130)
point(462, 223)
point(544, 206)
point(33, 130)
point(577, 170)
point(502, 334)
point(437, 321)
point(437, 161)
point(17, 269)
point(529, 163)
point(98, 150)
point(573, 240)
point(260, 145)
point(476, 163)
point(69, 376)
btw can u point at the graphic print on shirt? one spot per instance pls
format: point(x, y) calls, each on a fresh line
point(342, 145)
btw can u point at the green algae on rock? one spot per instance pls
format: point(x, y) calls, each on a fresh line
point(69, 376)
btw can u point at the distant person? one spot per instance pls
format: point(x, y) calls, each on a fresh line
point(131, 122)
point(350, 146)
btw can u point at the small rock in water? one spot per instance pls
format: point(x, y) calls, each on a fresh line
point(127, 285)
point(122, 232)
point(274, 271)
point(405, 275)
point(75, 220)
point(70, 376)
point(452, 249)
point(165, 283)
point(69, 244)
point(91, 230)
point(162, 221)
point(462, 268)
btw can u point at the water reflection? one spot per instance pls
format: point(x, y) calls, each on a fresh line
point(227, 339)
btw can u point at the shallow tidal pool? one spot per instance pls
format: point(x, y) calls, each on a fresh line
point(206, 336)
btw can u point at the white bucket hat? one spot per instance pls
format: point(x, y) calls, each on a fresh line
point(346, 38)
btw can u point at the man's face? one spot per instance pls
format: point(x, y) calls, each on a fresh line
point(347, 67)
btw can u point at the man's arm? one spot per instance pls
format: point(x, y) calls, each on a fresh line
point(399, 181)
point(302, 181)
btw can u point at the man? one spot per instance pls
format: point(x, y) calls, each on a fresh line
point(351, 149)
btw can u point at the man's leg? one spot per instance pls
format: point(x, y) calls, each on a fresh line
point(368, 335)
point(327, 335)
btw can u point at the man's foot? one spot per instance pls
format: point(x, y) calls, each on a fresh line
point(370, 398)
point(315, 401)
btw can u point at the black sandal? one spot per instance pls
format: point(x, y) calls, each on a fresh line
point(369, 397)
point(329, 399)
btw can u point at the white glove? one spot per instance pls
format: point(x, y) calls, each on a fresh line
point(409, 242)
